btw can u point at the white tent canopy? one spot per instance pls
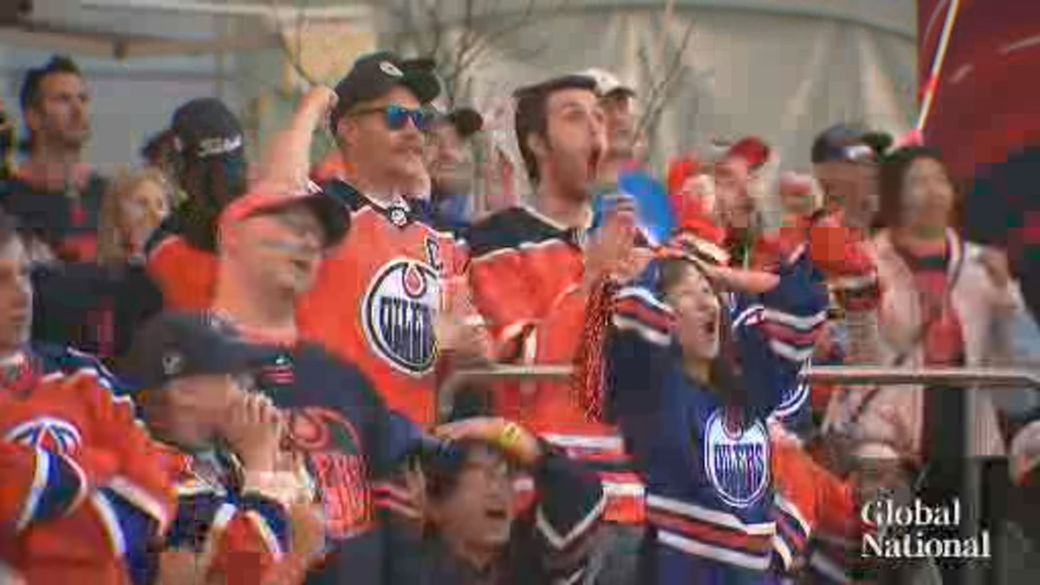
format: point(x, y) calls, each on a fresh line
point(781, 69)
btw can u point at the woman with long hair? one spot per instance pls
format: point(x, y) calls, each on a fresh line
point(135, 205)
point(943, 304)
point(691, 377)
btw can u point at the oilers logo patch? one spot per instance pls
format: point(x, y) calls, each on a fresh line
point(398, 312)
point(54, 434)
point(736, 459)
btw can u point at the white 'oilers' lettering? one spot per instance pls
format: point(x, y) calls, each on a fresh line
point(736, 460)
point(740, 466)
point(408, 328)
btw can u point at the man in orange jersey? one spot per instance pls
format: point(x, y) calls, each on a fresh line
point(83, 495)
point(211, 167)
point(381, 293)
point(532, 269)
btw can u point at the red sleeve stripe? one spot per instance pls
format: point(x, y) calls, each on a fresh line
point(710, 534)
point(723, 555)
point(801, 323)
point(701, 514)
point(792, 337)
point(790, 352)
point(648, 315)
point(786, 530)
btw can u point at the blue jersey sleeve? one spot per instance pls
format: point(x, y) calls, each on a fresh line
point(639, 351)
point(775, 334)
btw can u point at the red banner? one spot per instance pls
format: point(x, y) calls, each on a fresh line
point(987, 100)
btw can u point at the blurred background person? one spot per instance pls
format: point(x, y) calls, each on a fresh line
point(133, 208)
point(96, 307)
point(940, 306)
point(212, 170)
point(55, 194)
point(845, 165)
point(449, 159)
point(7, 143)
point(160, 152)
point(84, 493)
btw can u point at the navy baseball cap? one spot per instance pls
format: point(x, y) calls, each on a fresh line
point(375, 74)
point(843, 143)
point(177, 345)
point(205, 128)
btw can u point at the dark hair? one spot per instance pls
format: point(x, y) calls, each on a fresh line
point(210, 184)
point(159, 148)
point(724, 372)
point(29, 96)
point(893, 172)
point(532, 113)
point(442, 465)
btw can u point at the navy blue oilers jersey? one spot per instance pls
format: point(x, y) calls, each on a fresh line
point(706, 461)
point(350, 443)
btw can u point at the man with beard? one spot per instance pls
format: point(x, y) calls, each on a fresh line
point(532, 270)
point(55, 195)
point(211, 168)
point(381, 295)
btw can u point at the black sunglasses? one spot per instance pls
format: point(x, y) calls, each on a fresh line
point(397, 116)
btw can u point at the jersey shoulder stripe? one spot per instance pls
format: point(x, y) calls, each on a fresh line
point(510, 229)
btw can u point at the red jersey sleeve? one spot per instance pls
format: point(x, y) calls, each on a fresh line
point(141, 481)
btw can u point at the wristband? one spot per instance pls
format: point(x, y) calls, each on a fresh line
point(509, 437)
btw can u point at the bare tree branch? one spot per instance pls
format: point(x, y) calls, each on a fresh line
point(477, 29)
point(294, 58)
point(663, 89)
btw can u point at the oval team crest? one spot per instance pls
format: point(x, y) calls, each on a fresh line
point(55, 434)
point(397, 315)
point(736, 459)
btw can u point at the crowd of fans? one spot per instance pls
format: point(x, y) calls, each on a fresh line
point(218, 370)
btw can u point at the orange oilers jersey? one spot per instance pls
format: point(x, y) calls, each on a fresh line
point(377, 295)
point(809, 500)
point(526, 275)
point(186, 275)
point(84, 490)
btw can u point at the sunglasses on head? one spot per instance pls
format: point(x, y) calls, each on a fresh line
point(397, 116)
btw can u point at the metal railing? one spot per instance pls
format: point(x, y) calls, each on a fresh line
point(990, 378)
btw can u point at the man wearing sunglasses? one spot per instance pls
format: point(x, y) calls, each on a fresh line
point(380, 295)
